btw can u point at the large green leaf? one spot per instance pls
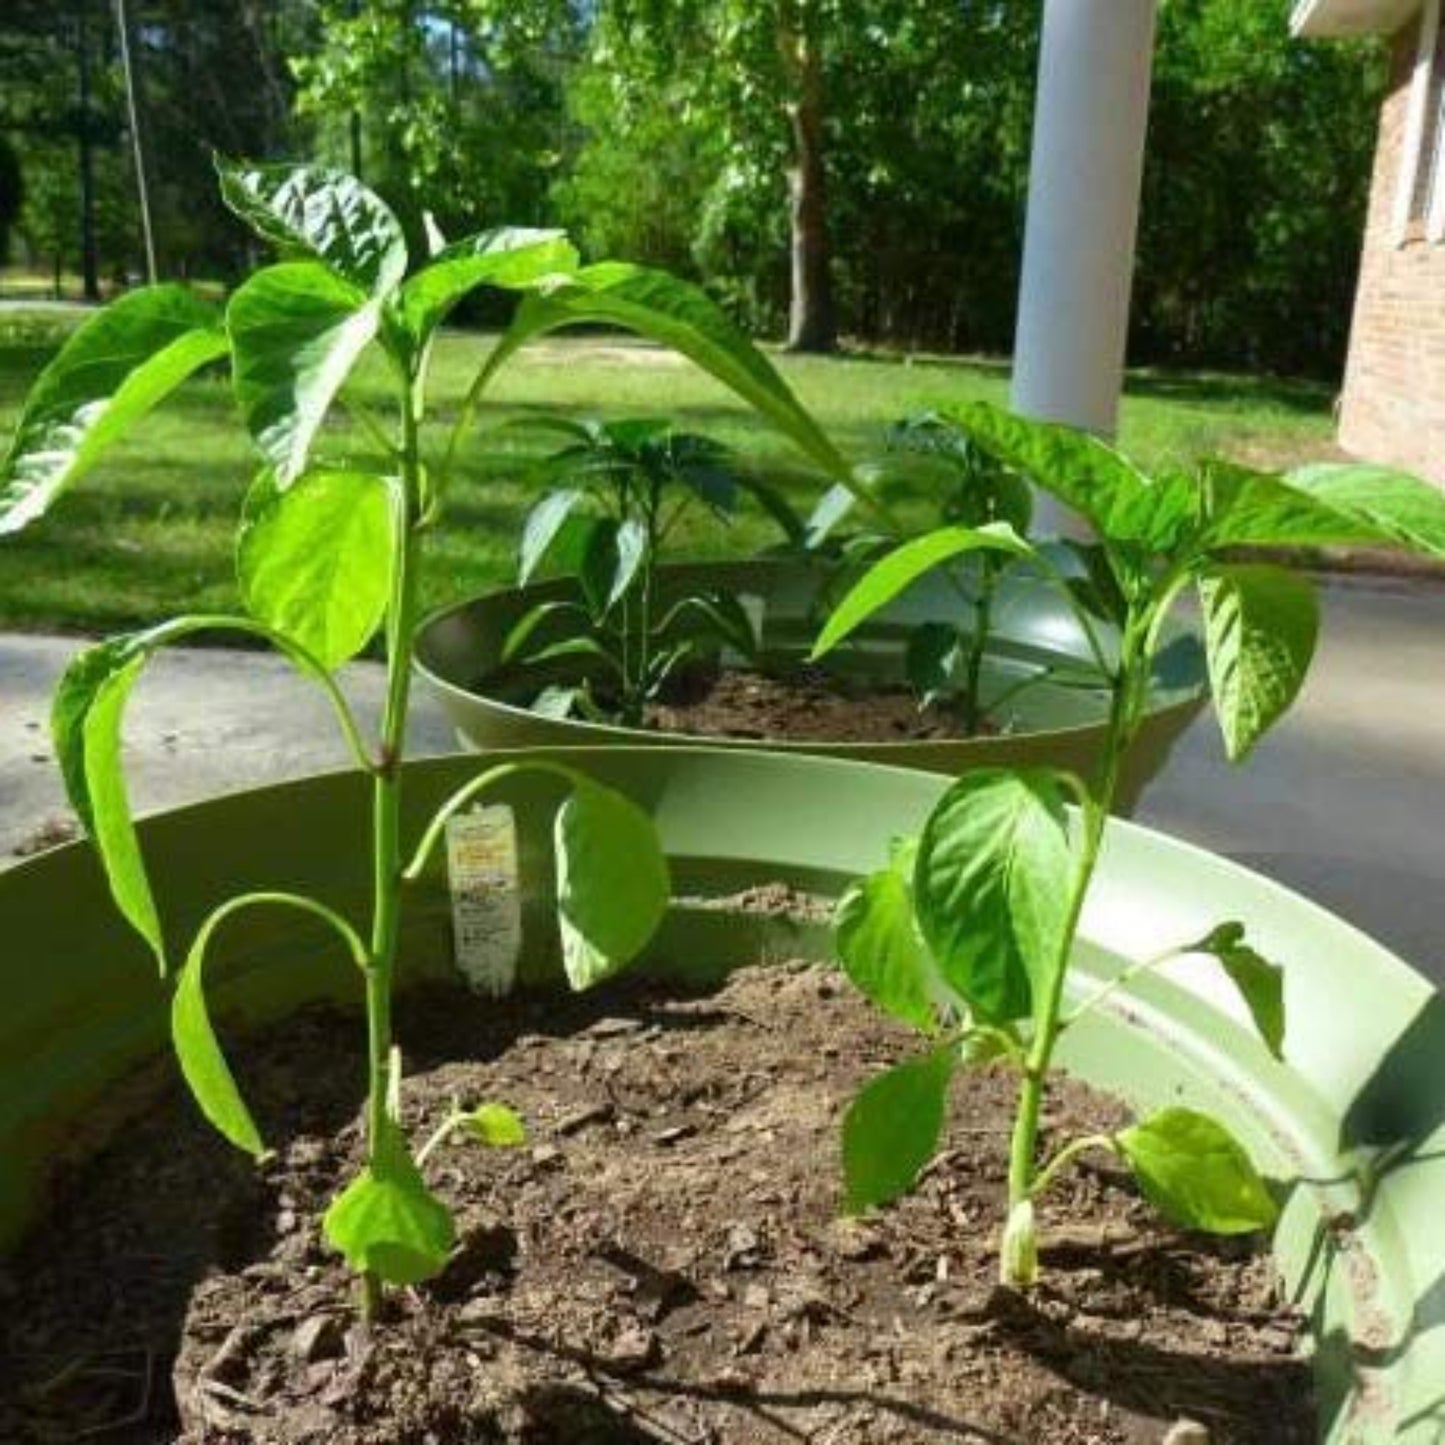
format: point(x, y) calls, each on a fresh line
point(1195, 1173)
point(296, 331)
point(199, 1051)
point(108, 375)
point(1251, 508)
point(511, 257)
point(990, 887)
point(315, 560)
point(1086, 474)
point(1260, 982)
point(388, 1222)
point(542, 527)
point(880, 947)
point(892, 1128)
point(676, 314)
point(316, 211)
point(883, 581)
point(612, 882)
point(1401, 508)
point(85, 722)
point(1260, 628)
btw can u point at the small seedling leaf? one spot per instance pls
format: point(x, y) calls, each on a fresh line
point(612, 882)
point(199, 1052)
point(296, 331)
point(1260, 628)
point(1197, 1174)
point(494, 1125)
point(108, 375)
point(388, 1222)
point(883, 581)
point(881, 949)
point(316, 211)
point(892, 1128)
point(1260, 982)
point(315, 561)
point(989, 887)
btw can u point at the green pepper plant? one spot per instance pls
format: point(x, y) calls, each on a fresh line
point(329, 552)
point(968, 933)
point(933, 466)
point(622, 488)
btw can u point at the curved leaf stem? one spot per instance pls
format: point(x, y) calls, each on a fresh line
point(467, 793)
point(1120, 980)
point(1066, 1156)
point(299, 901)
point(1081, 613)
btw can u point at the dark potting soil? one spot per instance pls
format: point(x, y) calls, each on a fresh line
point(662, 1262)
point(806, 705)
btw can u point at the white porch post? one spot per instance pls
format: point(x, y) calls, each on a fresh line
point(1091, 115)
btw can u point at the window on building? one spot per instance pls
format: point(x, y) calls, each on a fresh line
point(1420, 206)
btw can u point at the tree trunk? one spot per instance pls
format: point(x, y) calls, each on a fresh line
point(85, 157)
point(811, 325)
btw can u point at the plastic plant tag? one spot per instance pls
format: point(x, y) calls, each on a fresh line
point(486, 901)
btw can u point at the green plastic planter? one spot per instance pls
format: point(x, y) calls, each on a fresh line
point(459, 657)
point(1358, 1114)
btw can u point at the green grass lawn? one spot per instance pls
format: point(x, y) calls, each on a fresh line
point(149, 532)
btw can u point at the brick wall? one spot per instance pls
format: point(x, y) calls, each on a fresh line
point(1394, 399)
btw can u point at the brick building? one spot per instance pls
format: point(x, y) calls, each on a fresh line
point(1393, 408)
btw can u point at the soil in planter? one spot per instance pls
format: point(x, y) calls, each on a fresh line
point(663, 1262)
point(806, 705)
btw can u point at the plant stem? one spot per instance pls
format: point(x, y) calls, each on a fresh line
point(1130, 684)
point(386, 799)
point(977, 648)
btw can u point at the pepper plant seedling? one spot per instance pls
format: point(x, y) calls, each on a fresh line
point(623, 487)
point(329, 553)
point(969, 931)
point(980, 510)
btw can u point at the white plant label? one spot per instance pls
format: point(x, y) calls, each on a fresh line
point(486, 899)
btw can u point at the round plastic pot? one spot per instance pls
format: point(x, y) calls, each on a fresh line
point(1355, 1121)
point(460, 650)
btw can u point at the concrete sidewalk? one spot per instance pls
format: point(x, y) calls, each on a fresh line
point(1345, 802)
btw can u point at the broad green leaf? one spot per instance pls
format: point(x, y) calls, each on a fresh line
point(316, 211)
point(1247, 508)
point(387, 1221)
point(1260, 982)
point(832, 507)
point(881, 949)
point(892, 1128)
point(1197, 1174)
point(315, 560)
point(612, 882)
point(107, 376)
point(1402, 508)
point(494, 1125)
point(1260, 628)
point(990, 887)
point(678, 315)
point(544, 523)
point(510, 258)
point(296, 331)
point(932, 659)
point(85, 723)
point(1086, 474)
point(199, 1051)
point(882, 582)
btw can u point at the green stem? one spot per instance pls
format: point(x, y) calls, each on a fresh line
point(1067, 1155)
point(1130, 683)
point(977, 648)
point(386, 799)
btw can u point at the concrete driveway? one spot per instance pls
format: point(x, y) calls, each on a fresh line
point(1345, 802)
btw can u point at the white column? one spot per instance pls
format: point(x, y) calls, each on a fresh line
point(1090, 119)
